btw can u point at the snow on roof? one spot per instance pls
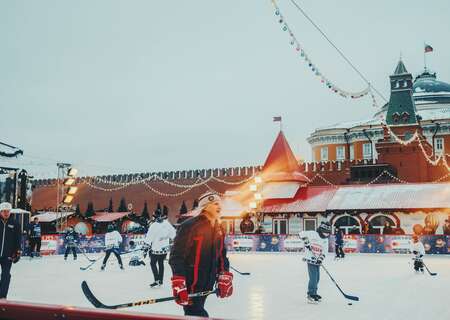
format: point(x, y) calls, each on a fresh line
point(352, 124)
point(360, 197)
point(280, 190)
point(398, 196)
point(310, 199)
point(108, 216)
point(434, 114)
point(51, 216)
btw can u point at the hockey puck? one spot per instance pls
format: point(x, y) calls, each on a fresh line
point(350, 303)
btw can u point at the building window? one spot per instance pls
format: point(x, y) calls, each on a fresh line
point(439, 145)
point(367, 151)
point(352, 152)
point(324, 153)
point(309, 224)
point(280, 226)
point(348, 224)
point(340, 153)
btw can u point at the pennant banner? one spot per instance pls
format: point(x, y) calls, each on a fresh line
point(314, 69)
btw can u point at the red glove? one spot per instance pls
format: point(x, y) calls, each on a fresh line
point(225, 284)
point(179, 290)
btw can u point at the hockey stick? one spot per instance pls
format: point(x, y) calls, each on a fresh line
point(85, 255)
point(429, 272)
point(241, 273)
point(92, 262)
point(347, 296)
point(96, 303)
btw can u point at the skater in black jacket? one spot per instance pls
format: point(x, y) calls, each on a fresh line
point(34, 236)
point(339, 244)
point(198, 258)
point(9, 246)
point(71, 243)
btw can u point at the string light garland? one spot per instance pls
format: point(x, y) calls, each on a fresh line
point(313, 67)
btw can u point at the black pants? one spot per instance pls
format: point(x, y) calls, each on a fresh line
point(418, 265)
point(6, 276)
point(35, 246)
point(74, 251)
point(158, 272)
point(339, 251)
point(197, 308)
point(116, 253)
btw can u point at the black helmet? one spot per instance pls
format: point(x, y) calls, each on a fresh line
point(110, 228)
point(324, 229)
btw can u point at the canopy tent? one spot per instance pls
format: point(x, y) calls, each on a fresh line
point(51, 216)
point(108, 216)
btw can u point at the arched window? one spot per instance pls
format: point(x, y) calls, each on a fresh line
point(349, 224)
point(377, 225)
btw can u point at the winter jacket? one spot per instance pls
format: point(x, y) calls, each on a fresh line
point(113, 239)
point(34, 230)
point(71, 239)
point(158, 236)
point(10, 235)
point(198, 253)
point(318, 245)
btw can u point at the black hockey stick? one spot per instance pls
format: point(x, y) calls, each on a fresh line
point(241, 273)
point(96, 303)
point(429, 272)
point(92, 262)
point(347, 296)
point(85, 255)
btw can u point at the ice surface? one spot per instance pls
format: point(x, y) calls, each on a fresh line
point(276, 288)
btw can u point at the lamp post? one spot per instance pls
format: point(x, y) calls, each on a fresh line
point(65, 191)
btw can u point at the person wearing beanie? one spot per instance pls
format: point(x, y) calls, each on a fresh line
point(157, 240)
point(199, 259)
point(10, 252)
point(113, 239)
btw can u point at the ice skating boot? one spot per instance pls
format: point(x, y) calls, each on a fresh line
point(154, 285)
point(103, 267)
point(74, 258)
point(121, 267)
point(65, 258)
point(317, 297)
point(312, 299)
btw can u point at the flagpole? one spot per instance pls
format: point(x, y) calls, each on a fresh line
point(424, 57)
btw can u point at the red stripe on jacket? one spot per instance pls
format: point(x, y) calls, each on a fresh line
point(197, 260)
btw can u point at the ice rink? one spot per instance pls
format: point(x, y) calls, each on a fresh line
point(276, 288)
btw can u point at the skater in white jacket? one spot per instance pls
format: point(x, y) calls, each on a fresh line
point(316, 248)
point(113, 239)
point(157, 239)
point(418, 251)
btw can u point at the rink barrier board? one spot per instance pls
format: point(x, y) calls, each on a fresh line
point(434, 244)
point(15, 310)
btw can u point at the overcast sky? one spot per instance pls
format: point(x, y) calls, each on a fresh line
point(132, 86)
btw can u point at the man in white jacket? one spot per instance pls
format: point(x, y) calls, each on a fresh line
point(316, 248)
point(158, 235)
point(113, 239)
point(418, 250)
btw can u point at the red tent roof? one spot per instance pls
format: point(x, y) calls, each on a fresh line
point(281, 164)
